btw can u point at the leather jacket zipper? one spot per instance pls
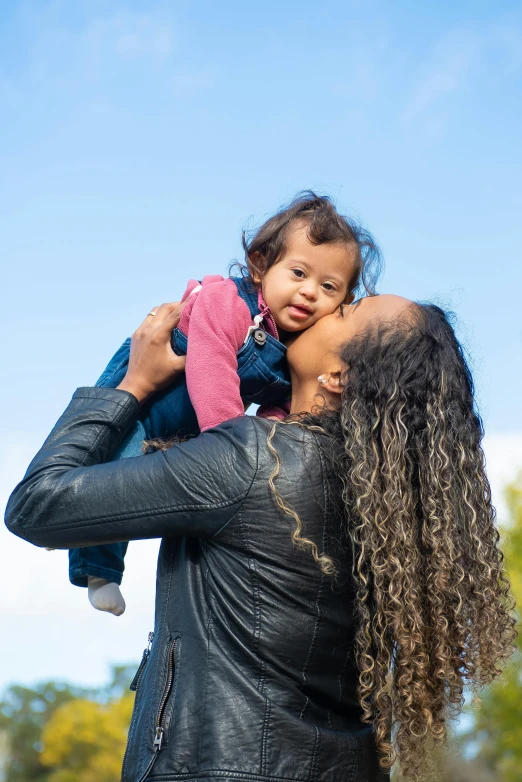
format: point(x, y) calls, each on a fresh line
point(137, 676)
point(160, 722)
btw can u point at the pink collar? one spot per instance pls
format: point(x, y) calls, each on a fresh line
point(264, 311)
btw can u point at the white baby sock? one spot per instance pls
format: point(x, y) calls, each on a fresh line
point(105, 595)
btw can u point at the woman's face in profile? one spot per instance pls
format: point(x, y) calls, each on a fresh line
point(311, 352)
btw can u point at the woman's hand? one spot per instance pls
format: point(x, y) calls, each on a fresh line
point(153, 365)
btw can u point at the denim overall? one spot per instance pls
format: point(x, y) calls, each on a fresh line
point(264, 380)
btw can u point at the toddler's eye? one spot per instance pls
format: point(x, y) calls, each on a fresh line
point(298, 273)
point(329, 287)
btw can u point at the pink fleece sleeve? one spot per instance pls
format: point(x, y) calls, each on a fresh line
point(191, 284)
point(190, 300)
point(219, 321)
point(271, 411)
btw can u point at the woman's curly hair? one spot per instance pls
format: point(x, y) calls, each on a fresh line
point(433, 600)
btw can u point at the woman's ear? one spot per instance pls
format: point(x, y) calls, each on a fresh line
point(331, 382)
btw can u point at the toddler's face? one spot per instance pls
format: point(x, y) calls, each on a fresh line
point(309, 281)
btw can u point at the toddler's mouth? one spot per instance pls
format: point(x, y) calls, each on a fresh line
point(300, 311)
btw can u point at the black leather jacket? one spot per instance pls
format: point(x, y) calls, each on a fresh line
point(251, 674)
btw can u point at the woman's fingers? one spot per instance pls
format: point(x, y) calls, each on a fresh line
point(148, 318)
point(152, 362)
point(166, 314)
point(158, 316)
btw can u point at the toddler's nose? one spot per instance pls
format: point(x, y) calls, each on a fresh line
point(309, 290)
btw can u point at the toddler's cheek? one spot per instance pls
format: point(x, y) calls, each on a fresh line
point(319, 315)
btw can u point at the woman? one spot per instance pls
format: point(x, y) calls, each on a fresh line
point(322, 586)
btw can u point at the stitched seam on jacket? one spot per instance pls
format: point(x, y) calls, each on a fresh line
point(327, 509)
point(103, 433)
point(318, 609)
point(129, 401)
point(166, 593)
point(256, 601)
point(209, 625)
point(252, 426)
point(220, 773)
point(256, 595)
point(144, 753)
point(315, 755)
point(340, 681)
point(228, 521)
point(347, 658)
point(137, 515)
point(261, 680)
point(326, 514)
point(355, 768)
point(256, 608)
point(257, 605)
point(243, 531)
point(264, 741)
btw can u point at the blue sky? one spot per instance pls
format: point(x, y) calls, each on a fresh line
point(138, 138)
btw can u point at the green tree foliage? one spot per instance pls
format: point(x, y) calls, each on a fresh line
point(25, 712)
point(85, 741)
point(513, 546)
point(496, 737)
point(450, 766)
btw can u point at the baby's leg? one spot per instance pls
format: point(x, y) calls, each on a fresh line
point(170, 412)
point(116, 369)
point(105, 595)
point(100, 568)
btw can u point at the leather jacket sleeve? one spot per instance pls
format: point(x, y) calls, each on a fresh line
point(69, 497)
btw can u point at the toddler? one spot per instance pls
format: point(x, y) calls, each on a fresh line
point(302, 264)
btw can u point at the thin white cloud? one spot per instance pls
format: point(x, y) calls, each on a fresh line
point(98, 53)
point(363, 82)
point(65, 56)
point(447, 69)
point(505, 38)
point(363, 73)
point(129, 35)
point(462, 57)
point(187, 80)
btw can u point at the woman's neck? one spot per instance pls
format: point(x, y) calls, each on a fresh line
point(307, 395)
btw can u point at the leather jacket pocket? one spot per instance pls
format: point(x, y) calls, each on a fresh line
point(150, 723)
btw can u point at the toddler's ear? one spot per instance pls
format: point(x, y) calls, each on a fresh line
point(349, 298)
point(255, 259)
